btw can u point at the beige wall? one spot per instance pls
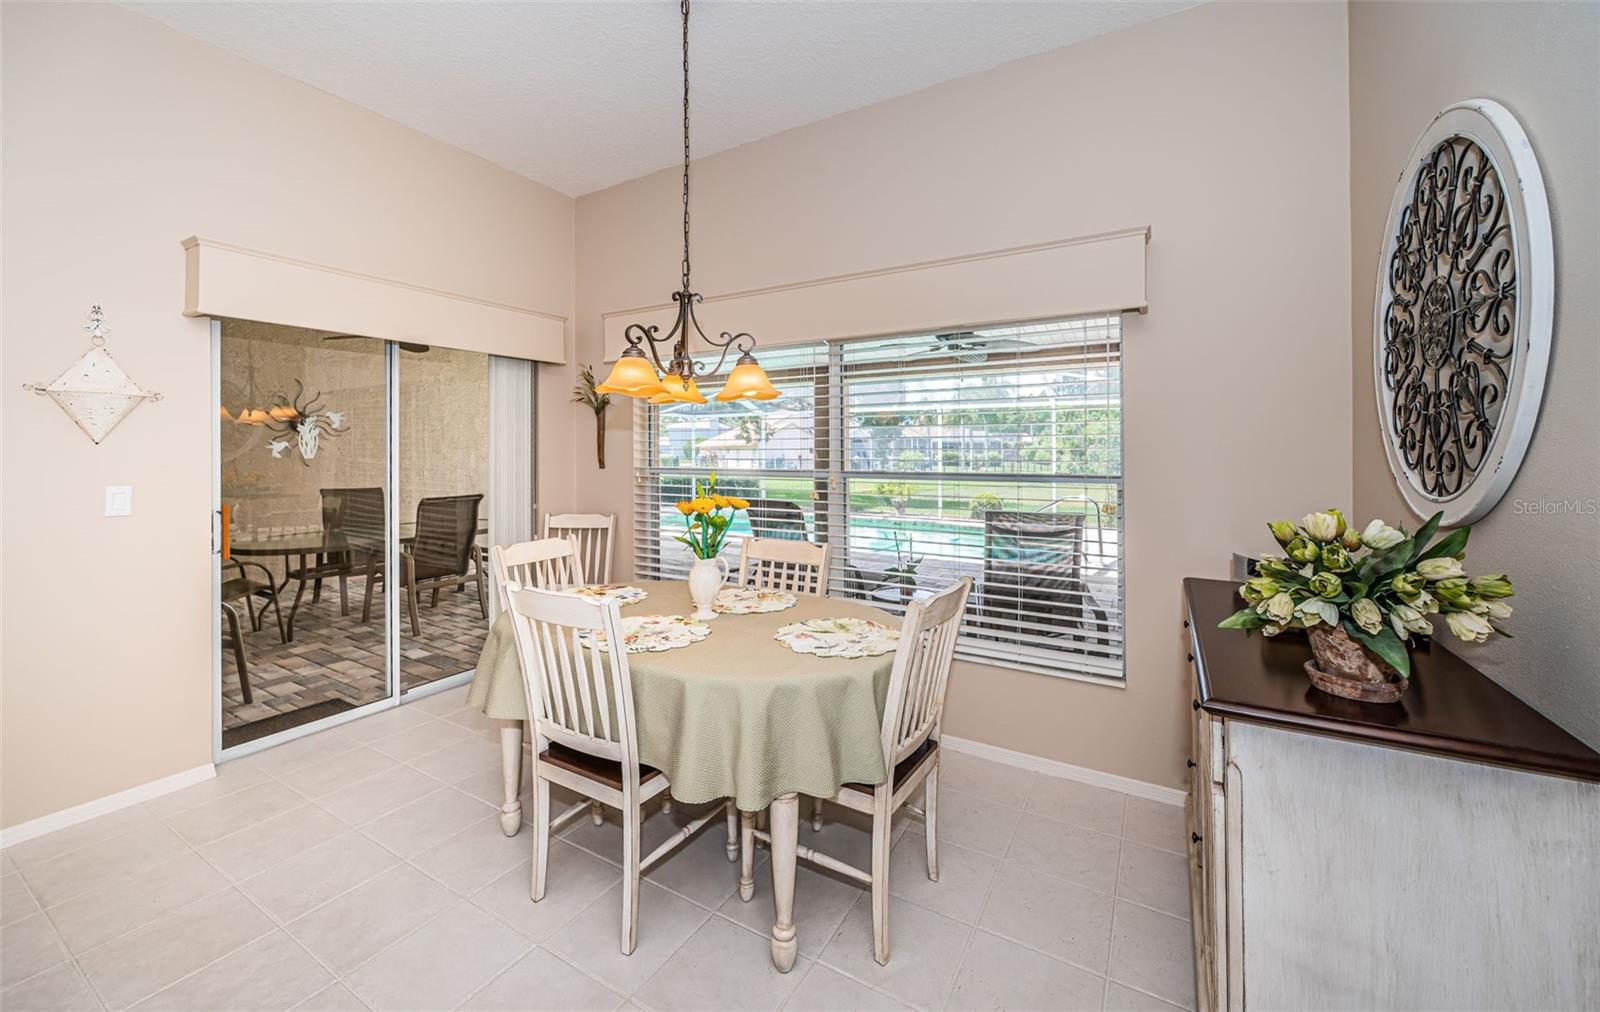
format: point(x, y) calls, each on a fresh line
point(121, 138)
point(1224, 129)
point(1542, 61)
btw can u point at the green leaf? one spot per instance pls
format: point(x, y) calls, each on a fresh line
point(1452, 545)
point(1385, 644)
point(1420, 540)
point(1244, 618)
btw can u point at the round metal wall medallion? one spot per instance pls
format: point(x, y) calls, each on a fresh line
point(1461, 322)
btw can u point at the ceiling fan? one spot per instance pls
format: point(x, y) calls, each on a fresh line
point(968, 346)
point(411, 346)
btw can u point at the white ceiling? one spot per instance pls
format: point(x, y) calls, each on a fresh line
point(581, 96)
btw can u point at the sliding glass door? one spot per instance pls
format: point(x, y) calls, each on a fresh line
point(357, 484)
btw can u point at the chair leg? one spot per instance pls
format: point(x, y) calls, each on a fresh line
point(666, 804)
point(880, 875)
point(816, 815)
point(344, 595)
point(733, 831)
point(411, 607)
point(747, 855)
point(483, 601)
point(272, 598)
point(597, 813)
point(316, 591)
point(630, 877)
point(930, 818)
point(238, 651)
point(366, 598)
point(294, 606)
point(541, 834)
point(434, 601)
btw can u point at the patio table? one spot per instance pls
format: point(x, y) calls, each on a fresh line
point(736, 715)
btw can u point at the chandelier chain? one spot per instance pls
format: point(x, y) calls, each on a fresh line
point(684, 7)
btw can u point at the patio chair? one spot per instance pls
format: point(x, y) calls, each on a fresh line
point(242, 587)
point(777, 518)
point(444, 553)
point(1033, 575)
point(359, 514)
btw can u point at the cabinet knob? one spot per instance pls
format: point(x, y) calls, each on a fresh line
point(1186, 623)
point(1191, 658)
point(1195, 837)
point(1190, 763)
point(1195, 703)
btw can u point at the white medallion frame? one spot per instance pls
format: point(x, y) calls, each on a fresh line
point(1496, 131)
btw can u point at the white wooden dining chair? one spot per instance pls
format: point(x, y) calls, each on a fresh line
point(544, 564)
point(912, 717)
point(592, 535)
point(580, 698)
point(799, 567)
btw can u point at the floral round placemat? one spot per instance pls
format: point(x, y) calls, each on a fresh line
point(655, 633)
point(839, 637)
point(621, 593)
point(750, 601)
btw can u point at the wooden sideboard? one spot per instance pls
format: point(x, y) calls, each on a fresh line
point(1442, 852)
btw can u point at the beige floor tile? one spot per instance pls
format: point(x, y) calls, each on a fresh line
point(389, 722)
point(349, 930)
point(144, 961)
point(974, 822)
point(285, 758)
point(574, 878)
point(964, 877)
point(269, 973)
point(7, 866)
point(463, 759)
point(367, 799)
point(1154, 953)
point(999, 974)
point(1155, 825)
point(821, 902)
point(231, 776)
point(846, 835)
point(488, 786)
point(826, 990)
point(62, 841)
point(1120, 998)
point(700, 869)
point(324, 777)
point(1155, 878)
point(476, 856)
point(27, 947)
point(441, 703)
point(592, 940)
point(213, 820)
point(16, 901)
point(473, 720)
point(1067, 852)
point(998, 782)
point(99, 865)
point(1059, 918)
point(254, 850)
point(1080, 804)
point(541, 982)
point(96, 918)
point(61, 989)
point(333, 998)
point(416, 742)
point(721, 966)
point(295, 886)
point(428, 821)
point(440, 965)
point(924, 951)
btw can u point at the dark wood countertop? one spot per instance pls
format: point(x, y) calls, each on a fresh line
point(1451, 709)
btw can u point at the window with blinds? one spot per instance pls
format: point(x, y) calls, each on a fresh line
point(994, 453)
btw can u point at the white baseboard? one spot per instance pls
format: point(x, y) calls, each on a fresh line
point(1055, 768)
point(104, 806)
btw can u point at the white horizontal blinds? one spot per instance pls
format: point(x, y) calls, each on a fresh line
point(763, 451)
point(994, 453)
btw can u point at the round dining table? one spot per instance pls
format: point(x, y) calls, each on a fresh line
point(735, 715)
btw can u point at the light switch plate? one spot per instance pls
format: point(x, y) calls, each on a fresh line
point(119, 500)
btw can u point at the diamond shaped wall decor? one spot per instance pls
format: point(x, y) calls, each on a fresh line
point(94, 391)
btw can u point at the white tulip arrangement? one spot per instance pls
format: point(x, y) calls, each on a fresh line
point(1378, 584)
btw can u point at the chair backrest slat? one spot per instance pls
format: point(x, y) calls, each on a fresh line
point(921, 674)
point(799, 567)
point(547, 564)
point(585, 697)
point(592, 535)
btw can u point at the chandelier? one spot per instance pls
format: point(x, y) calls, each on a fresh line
point(637, 374)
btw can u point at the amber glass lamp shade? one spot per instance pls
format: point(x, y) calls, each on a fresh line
point(676, 390)
point(749, 380)
point(252, 416)
point(632, 376)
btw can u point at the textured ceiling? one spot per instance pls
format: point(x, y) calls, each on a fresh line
point(581, 96)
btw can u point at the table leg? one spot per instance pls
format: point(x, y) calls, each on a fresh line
point(511, 772)
point(785, 822)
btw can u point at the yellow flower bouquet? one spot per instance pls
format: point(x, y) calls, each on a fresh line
point(707, 518)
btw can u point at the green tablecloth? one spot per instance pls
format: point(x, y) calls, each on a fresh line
point(737, 714)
